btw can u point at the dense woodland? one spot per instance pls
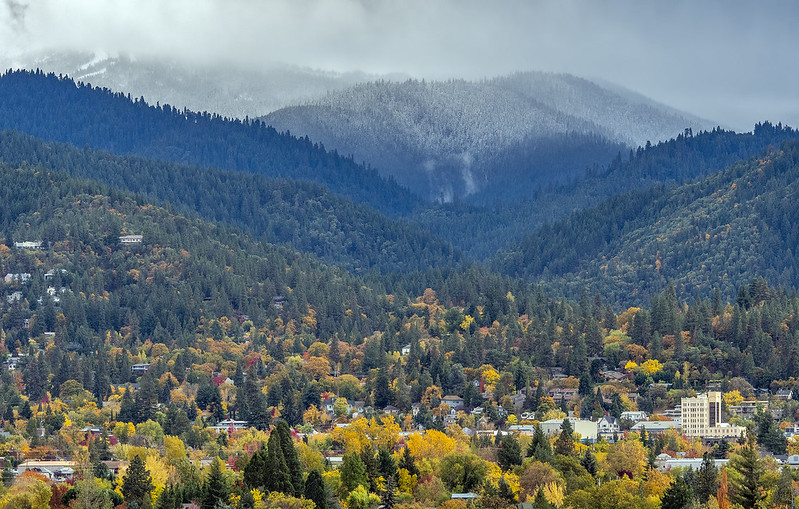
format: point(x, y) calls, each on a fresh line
point(280, 211)
point(55, 108)
point(135, 351)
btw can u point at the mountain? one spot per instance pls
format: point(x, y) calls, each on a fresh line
point(672, 162)
point(56, 109)
point(301, 214)
point(227, 90)
point(493, 140)
point(715, 232)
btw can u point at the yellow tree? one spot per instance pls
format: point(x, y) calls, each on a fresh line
point(626, 456)
point(432, 445)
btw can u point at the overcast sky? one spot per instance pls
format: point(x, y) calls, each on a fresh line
point(731, 61)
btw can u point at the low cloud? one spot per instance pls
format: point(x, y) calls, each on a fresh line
point(729, 60)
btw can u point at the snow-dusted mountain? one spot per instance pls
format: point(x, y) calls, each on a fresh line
point(457, 138)
point(228, 90)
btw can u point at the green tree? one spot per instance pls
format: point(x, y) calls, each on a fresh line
point(707, 479)
point(215, 489)
point(276, 473)
point(136, 483)
point(539, 447)
point(291, 457)
point(316, 491)
point(509, 453)
point(462, 471)
point(589, 462)
point(565, 442)
point(745, 470)
point(678, 495)
point(353, 472)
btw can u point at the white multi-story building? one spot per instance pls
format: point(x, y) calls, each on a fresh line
point(701, 417)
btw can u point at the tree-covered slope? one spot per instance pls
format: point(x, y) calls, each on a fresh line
point(303, 215)
point(184, 272)
point(683, 158)
point(494, 140)
point(55, 109)
point(718, 231)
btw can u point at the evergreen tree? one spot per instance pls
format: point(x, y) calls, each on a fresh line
point(541, 501)
point(291, 457)
point(136, 483)
point(539, 447)
point(407, 462)
point(707, 479)
point(386, 464)
point(565, 442)
point(509, 454)
point(215, 489)
point(678, 495)
point(316, 491)
point(276, 474)
point(589, 462)
point(255, 469)
point(745, 470)
point(784, 495)
point(353, 472)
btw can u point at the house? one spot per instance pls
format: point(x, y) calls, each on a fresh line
point(56, 470)
point(747, 409)
point(636, 416)
point(229, 425)
point(28, 245)
point(518, 400)
point(14, 297)
point(784, 394)
point(415, 408)
point(562, 394)
point(613, 376)
point(17, 277)
point(406, 350)
point(607, 427)
point(140, 369)
point(130, 239)
point(453, 401)
point(278, 301)
point(391, 410)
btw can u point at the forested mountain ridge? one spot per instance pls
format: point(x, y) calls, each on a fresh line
point(56, 109)
point(301, 214)
point(495, 140)
point(714, 232)
point(683, 158)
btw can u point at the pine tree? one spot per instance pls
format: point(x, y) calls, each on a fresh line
point(276, 473)
point(707, 479)
point(215, 489)
point(745, 470)
point(353, 472)
point(678, 495)
point(541, 501)
point(316, 491)
point(408, 463)
point(565, 442)
point(589, 462)
point(255, 468)
point(509, 453)
point(136, 483)
point(539, 447)
point(291, 457)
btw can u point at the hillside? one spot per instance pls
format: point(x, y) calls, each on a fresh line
point(184, 272)
point(495, 140)
point(714, 232)
point(55, 109)
point(303, 215)
point(683, 158)
point(227, 90)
